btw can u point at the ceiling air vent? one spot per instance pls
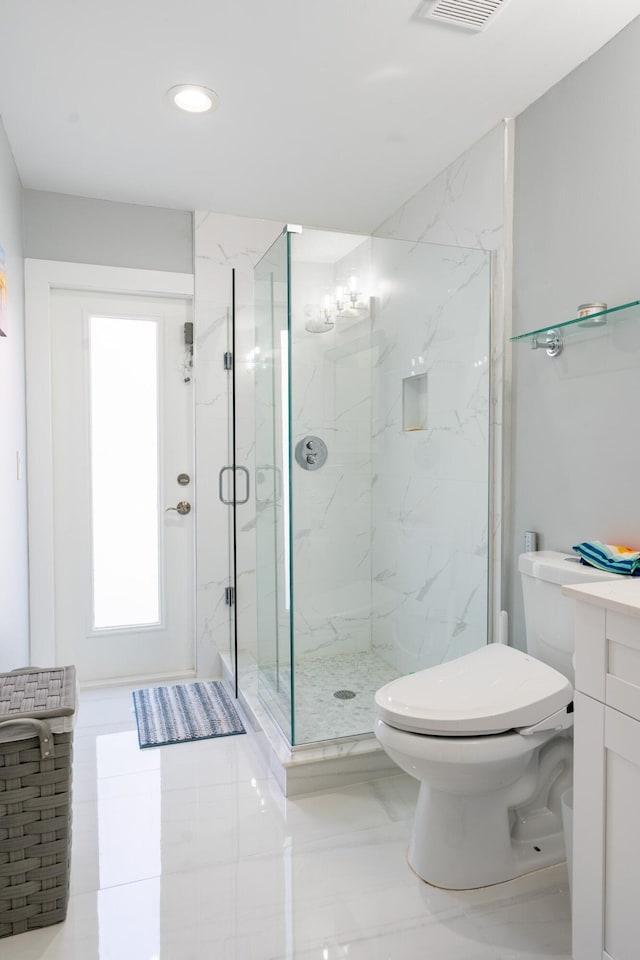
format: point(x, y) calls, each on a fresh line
point(472, 14)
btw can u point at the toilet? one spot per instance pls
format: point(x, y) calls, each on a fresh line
point(489, 737)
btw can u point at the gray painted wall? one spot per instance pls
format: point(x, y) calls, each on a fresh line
point(577, 238)
point(81, 230)
point(14, 605)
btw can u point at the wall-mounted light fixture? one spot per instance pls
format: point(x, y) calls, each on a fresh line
point(343, 304)
point(351, 304)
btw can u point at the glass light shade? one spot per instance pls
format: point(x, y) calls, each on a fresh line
point(193, 98)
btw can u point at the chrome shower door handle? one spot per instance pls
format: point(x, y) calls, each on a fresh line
point(246, 474)
point(229, 501)
point(223, 499)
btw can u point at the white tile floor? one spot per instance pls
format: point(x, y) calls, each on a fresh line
point(189, 852)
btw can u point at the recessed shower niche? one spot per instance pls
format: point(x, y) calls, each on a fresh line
point(414, 402)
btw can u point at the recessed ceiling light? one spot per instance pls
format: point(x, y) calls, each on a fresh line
point(193, 98)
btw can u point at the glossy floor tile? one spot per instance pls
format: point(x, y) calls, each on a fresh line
point(190, 852)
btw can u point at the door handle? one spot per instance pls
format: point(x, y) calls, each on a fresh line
point(221, 495)
point(183, 508)
point(229, 501)
point(246, 473)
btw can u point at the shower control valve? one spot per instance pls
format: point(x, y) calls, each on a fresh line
point(311, 453)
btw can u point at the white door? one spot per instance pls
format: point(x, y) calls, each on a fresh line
point(122, 398)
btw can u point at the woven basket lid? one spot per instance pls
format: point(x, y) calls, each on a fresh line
point(41, 694)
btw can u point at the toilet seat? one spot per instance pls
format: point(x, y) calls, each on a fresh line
point(492, 690)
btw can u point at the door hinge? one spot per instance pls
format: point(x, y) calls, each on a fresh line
point(230, 596)
point(228, 361)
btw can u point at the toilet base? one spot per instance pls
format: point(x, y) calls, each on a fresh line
point(464, 842)
point(489, 807)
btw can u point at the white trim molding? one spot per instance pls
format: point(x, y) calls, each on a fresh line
point(42, 276)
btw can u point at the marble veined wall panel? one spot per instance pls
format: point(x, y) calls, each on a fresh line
point(222, 243)
point(331, 514)
point(464, 205)
point(430, 486)
point(470, 205)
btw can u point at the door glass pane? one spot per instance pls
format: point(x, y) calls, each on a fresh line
point(124, 471)
point(272, 484)
point(336, 669)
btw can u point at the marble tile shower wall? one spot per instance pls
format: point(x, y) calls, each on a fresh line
point(464, 208)
point(331, 515)
point(430, 485)
point(469, 205)
point(222, 243)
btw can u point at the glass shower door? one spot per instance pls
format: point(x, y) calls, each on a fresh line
point(273, 504)
point(390, 371)
point(377, 352)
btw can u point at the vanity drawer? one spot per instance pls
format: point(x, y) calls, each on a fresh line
point(622, 683)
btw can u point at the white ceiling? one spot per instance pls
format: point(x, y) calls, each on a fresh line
point(333, 112)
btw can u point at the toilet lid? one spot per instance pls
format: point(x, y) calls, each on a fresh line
point(491, 690)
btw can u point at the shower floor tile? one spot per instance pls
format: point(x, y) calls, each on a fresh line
point(319, 714)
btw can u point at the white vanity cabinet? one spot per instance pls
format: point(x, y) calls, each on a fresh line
point(606, 838)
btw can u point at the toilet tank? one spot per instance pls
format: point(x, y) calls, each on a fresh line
point(548, 614)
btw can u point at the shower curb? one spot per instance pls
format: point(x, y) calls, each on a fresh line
point(316, 767)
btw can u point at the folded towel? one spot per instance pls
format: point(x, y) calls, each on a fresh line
point(606, 556)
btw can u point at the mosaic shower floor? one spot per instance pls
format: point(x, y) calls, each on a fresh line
point(319, 714)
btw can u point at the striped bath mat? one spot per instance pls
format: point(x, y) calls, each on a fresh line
point(186, 711)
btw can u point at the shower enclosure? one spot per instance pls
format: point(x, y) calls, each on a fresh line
point(372, 397)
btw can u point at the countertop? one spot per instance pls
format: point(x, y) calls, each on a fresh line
point(622, 595)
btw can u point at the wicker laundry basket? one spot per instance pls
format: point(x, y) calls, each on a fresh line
point(37, 712)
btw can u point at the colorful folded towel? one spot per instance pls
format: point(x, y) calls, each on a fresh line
point(606, 556)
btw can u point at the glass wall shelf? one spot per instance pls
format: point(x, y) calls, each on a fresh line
point(551, 340)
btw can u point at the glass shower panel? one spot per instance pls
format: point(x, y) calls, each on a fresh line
point(336, 672)
point(275, 680)
point(430, 454)
point(376, 352)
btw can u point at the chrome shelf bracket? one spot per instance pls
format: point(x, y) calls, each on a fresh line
point(552, 343)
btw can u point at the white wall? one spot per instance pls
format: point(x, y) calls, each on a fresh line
point(222, 243)
point(331, 507)
point(430, 502)
point(468, 206)
point(14, 626)
point(577, 211)
point(84, 230)
point(463, 206)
